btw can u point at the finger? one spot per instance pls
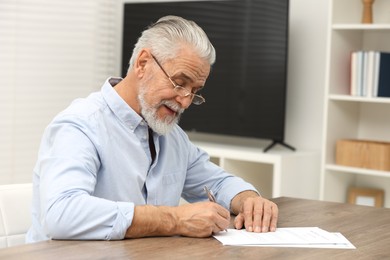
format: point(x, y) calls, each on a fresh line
point(248, 215)
point(222, 212)
point(221, 218)
point(223, 222)
point(274, 219)
point(215, 228)
point(239, 221)
point(221, 225)
point(258, 217)
point(267, 216)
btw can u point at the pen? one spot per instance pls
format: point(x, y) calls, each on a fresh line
point(211, 196)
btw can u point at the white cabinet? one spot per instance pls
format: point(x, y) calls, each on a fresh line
point(347, 116)
point(279, 172)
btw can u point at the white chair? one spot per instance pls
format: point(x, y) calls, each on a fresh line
point(15, 213)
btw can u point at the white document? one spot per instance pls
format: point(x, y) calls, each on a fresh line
point(312, 237)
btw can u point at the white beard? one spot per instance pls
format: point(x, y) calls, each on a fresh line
point(149, 113)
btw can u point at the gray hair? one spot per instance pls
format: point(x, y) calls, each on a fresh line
point(168, 34)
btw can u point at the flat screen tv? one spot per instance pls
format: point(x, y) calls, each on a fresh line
point(246, 90)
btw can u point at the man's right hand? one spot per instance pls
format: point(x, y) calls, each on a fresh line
point(200, 219)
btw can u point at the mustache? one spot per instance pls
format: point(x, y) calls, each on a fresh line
point(172, 105)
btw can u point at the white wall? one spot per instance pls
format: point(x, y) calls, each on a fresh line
point(51, 52)
point(306, 68)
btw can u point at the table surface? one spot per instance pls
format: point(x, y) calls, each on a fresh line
point(366, 227)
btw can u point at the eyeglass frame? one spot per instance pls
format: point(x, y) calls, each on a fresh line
point(180, 90)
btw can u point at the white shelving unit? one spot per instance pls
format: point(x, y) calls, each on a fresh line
point(348, 116)
point(279, 172)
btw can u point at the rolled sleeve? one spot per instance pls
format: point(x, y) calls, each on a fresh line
point(123, 221)
point(230, 189)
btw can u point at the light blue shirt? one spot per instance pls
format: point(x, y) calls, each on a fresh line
point(94, 166)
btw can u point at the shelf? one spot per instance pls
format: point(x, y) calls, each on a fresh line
point(352, 117)
point(359, 171)
point(348, 26)
point(360, 99)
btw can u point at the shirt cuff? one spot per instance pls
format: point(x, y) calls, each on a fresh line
point(233, 190)
point(123, 221)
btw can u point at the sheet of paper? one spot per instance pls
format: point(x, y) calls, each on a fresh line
point(346, 245)
point(285, 237)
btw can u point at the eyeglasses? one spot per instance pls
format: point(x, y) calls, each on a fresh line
point(196, 99)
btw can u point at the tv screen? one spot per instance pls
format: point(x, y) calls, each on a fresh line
point(246, 90)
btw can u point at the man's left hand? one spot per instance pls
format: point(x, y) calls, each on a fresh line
point(255, 213)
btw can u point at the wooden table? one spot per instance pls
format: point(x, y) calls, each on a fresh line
point(367, 228)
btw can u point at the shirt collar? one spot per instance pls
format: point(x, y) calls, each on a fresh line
point(118, 106)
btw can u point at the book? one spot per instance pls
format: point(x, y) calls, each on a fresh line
point(375, 76)
point(354, 74)
point(384, 75)
point(360, 73)
point(368, 89)
point(370, 74)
